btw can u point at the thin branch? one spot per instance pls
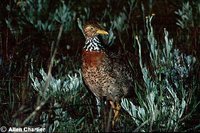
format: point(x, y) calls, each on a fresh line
point(138, 128)
point(48, 79)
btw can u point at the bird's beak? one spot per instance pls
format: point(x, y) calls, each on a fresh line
point(102, 32)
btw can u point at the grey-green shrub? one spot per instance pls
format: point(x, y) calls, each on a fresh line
point(163, 105)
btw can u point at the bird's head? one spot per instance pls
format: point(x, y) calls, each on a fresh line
point(91, 32)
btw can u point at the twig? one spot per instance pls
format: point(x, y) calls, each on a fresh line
point(48, 79)
point(138, 128)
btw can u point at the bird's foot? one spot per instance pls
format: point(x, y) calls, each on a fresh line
point(116, 108)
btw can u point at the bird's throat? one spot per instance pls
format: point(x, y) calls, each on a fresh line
point(93, 44)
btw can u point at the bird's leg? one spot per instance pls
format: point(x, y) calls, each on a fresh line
point(116, 108)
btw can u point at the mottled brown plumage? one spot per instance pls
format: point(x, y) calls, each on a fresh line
point(107, 75)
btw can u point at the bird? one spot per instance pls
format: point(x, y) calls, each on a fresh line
point(107, 75)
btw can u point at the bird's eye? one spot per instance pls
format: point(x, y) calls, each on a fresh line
point(91, 28)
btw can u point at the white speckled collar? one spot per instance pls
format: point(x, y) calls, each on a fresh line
point(93, 44)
